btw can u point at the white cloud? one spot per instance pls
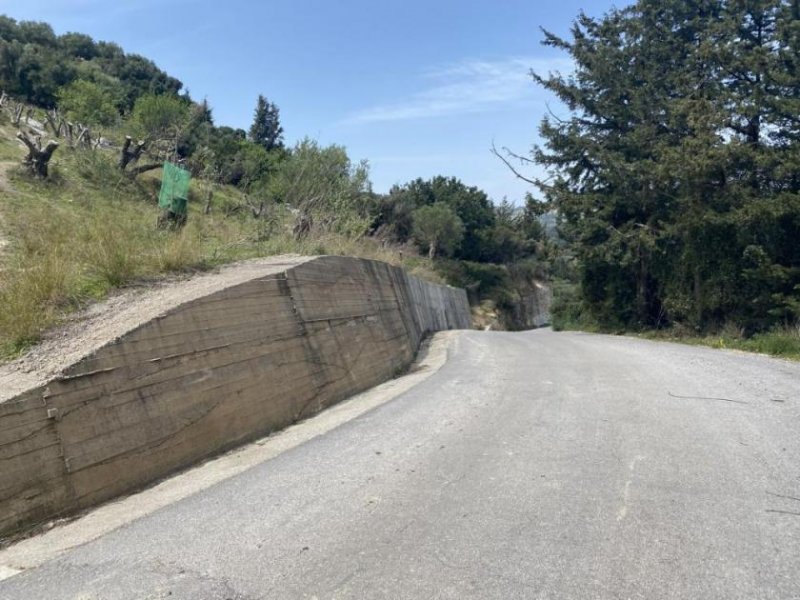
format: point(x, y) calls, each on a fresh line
point(466, 87)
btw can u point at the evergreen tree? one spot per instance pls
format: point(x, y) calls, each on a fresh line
point(675, 174)
point(266, 130)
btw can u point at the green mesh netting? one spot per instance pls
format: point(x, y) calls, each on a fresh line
point(174, 189)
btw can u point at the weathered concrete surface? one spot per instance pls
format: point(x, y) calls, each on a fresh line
point(533, 465)
point(209, 374)
point(533, 308)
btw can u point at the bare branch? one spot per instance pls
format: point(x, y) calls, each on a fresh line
point(510, 166)
point(554, 115)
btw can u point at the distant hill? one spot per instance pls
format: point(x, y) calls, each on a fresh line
point(35, 63)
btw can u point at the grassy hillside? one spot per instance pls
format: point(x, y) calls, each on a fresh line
point(89, 229)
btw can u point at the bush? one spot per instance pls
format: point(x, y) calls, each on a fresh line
point(780, 341)
point(87, 103)
point(160, 117)
point(323, 183)
point(568, 311)
point(99, 169)
point(483, 281)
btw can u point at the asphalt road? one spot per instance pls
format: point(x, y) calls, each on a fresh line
point(532, 465)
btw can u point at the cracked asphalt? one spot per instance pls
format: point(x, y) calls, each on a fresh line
point(532, 465)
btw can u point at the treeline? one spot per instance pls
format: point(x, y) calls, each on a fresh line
point(447, 218)
point(676, 174)
point(35, 64)
point(115, 95)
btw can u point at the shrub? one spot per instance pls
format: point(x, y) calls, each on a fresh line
point(87, 103)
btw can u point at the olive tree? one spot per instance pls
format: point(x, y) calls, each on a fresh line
point(437, 228)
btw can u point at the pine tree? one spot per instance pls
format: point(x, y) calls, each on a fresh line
point(266, 130)
point(675, 174)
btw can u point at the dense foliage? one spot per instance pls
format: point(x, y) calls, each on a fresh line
point(88, 103)
point(35, 64)
point(499, 233)
point(437, 228)
point(496, 251)
point(677, 173)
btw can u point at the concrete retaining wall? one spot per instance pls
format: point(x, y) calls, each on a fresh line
point(533, 308)
point(208, 375)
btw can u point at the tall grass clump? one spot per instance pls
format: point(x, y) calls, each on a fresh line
point(783, 341)
point(177, 251)
point(30, 295)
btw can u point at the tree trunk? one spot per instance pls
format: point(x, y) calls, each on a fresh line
point(38, 157)
point(143, 169)
point(302, 226)
point(207, 206)
point(84, 138)
point(17, 114)
point(56, 123)
point(641, 289)
point(432, 250)
point(698, 297)
point(129, 155)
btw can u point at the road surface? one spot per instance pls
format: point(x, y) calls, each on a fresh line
point(532, 465)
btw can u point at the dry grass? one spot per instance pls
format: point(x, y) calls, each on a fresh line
point(89, 230)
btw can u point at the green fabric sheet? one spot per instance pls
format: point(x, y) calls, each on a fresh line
point(174, 188)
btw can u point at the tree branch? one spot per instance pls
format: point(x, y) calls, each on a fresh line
point(144, 168)
point(510, 166)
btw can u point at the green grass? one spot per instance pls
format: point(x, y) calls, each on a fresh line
point(782, 341)
point(568, 314)
point(89, 229)
point(10, 149)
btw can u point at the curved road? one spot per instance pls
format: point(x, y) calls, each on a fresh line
point(532, 465)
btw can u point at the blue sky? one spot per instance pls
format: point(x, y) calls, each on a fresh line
point(418, 88)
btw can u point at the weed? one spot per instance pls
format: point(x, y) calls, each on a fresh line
point(30, 297)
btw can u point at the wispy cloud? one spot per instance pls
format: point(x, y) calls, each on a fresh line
point(465, 87)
